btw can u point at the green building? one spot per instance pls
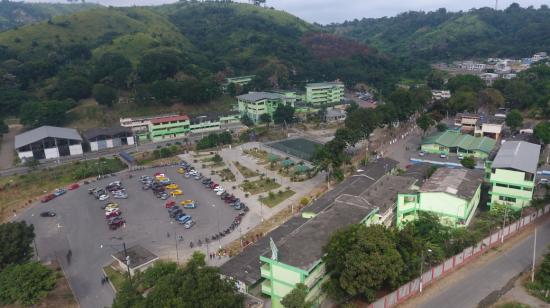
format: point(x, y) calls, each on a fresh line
point(324, 93)
point(451, 194)
point(457, 143)
point(213, 122)
point(169, 127)
point(239, 80)
point(513, 173)
point(254, 104)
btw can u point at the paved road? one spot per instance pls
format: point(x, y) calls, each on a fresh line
point(469, 288)
point(6, 150)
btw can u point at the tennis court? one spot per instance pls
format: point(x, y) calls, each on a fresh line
point(299, 147)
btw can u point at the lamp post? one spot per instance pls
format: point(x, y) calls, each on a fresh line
point(126, 257)
point(421, 267)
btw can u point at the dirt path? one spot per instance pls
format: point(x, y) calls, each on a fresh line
point(7, 147)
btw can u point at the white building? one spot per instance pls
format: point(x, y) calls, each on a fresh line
point(540, 56)
point(440, 94)
point(140, 126)
point(106, 138)
point(48, 142)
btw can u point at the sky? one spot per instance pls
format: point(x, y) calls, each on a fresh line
point(328, 11)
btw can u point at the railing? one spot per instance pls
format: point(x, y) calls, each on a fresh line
point(471, 253)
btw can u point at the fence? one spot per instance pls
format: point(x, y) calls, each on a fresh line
point(413, 287)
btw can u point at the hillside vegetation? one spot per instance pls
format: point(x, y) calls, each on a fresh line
point(178, 53)
point(15, 14)
point(443, 35)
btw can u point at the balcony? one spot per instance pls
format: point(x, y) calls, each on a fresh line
point(266, 287)
point(265, 271)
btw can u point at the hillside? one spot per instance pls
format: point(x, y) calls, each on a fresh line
point(16, 14)
point(177, 53)
point(442, 35)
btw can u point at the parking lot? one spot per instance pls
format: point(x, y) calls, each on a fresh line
point(80, 227)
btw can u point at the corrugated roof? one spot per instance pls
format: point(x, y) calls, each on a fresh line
point(518, 155)
point(257, 96)
point(170, 119)
point(45, 132)
point(105, 131)
point(456, 139)
point(462, 183)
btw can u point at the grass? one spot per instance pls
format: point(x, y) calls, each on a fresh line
point(246, 172)
point(259, 186)
point(261, 155)
point(116, 277)
point(16, 191)
point(227, 175)
point(538, 290)
point(512, 304)
point(274, 199)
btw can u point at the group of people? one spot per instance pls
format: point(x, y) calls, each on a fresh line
point(104, 280)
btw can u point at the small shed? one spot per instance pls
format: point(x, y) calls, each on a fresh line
point(136, 258)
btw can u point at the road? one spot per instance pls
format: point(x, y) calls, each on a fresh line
point(6, 149)
point(485, 278)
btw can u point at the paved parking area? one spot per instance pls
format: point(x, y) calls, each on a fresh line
point(80, 226)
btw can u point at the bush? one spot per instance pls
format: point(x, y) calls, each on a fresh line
point(304, 201)
point(26, 283)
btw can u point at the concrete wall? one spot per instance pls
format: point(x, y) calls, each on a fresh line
point(23, 155)
point(51, 153)
point(76, 149)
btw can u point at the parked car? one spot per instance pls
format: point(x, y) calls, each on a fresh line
point(187, 174)
point(176, 192)
point(192, 205)
point(47, 214)
point(164, 196)
point(60, 191)
point(182, 219)
point(184, 202)
point(47, 198)
point(120, 196)
point(181, 170)
point(421, 153)
point(219, 192)
point(224, 195)
point(109, 204)
point(172, 186)
point(103, 197)
point(170, 204)
point(442, 155)
point(544, 181)
point(206, 181)
point(189, 224)
point(113, 214)
point(175, 212)
point(115, 224)
point(73, 186)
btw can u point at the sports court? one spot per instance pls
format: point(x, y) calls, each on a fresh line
point(298, 147)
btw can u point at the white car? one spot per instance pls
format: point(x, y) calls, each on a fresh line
point(110, 210)
point(442, 155)
point(193, 172)
point(421, 153)
point(120, 196)
point(103, 197)
point(218, 188)
point(220, 192)
point(544, 181)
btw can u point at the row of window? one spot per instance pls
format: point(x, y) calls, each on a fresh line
point(509, 199)
point(513, 187)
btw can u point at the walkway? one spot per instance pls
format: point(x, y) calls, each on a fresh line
point(8, 145)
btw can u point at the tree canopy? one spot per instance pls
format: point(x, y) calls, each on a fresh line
point(514, 119)
point(15, 243)
point(25, 283)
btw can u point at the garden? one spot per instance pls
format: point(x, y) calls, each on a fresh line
point(259, 186)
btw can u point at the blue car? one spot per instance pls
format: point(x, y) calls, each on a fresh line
point(192, 205)
point(60, 191)
point(183, 219)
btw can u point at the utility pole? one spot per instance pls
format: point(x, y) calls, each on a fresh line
point(127, 260)
point(534, 257)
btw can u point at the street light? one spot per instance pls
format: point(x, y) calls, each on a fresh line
point(421, 266)
point(126, 256)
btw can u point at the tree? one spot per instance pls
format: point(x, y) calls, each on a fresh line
point(442, 127)
point(469, 83)
point(542, 132)
point(491, 99)
point(543, 274)
point(297, 298)
point(246, 120)
point(363, 260)
point(436, 80)
point(468, 162)
point(265, 118)
point(74, 87)
point(159, 64)
point(104, 95)
point(10, 100)
point(111, 64)
point(15, 243)
point(165, 90)
point(127, 296)
point(4, 129)
point(424, 122)
point(36, 113)
point(25, 283)
point(463, 100)
point(283, 114)
point(514, 120)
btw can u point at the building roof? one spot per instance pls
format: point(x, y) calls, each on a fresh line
point(518, 155)
point(258, 96)
point(138, 256)
point(343, 206)
point(169, 119)
point(335, 112)
point(462, 183)
point(105, 131)
point(324, 84)
point(45, 132)
point(452, 138)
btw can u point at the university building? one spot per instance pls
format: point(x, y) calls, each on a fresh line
point(324, 93)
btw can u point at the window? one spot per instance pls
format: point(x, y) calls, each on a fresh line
point(528, 177)
point(501, 185)
point(508, 199)
point(514, 187)
point(527, 188)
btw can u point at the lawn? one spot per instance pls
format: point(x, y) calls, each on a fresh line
point(512, 305)
point(17, 191)
point(261, 155)
point(274, 199)
point(116, 277)
point(259, 186)
point(227, 175)
point(246, 172)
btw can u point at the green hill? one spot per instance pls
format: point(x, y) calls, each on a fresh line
point(15, 14)
point(443, 35)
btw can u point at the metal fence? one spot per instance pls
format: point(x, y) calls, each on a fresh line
point(436, 272)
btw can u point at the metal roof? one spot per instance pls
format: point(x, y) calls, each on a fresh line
point(105, 131)
point(258, 96)
point(518, 155)
point(462, 183)
point(452, 139)
point(45, 132)
point(170, 119)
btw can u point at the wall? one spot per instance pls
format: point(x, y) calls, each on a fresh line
point(412, 288)
point(510, 177)
point(51, 153)
point(76, 149)
point(25, 154)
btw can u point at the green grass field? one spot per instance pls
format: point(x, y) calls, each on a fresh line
point(276, 198)
point(259, 186)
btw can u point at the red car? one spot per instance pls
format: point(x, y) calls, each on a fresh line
point(213, 185)
point(113, 214)
point(73, 186)
point(170, 204)
point(47, 198)
point(116, 223)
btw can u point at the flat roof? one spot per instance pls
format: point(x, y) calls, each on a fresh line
point(138, 256)
point(518, 155)
point(245, 266)
point(169, 119)
point(258, 96)
point(43, 132)
point(462, 183)
point(324, 84)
